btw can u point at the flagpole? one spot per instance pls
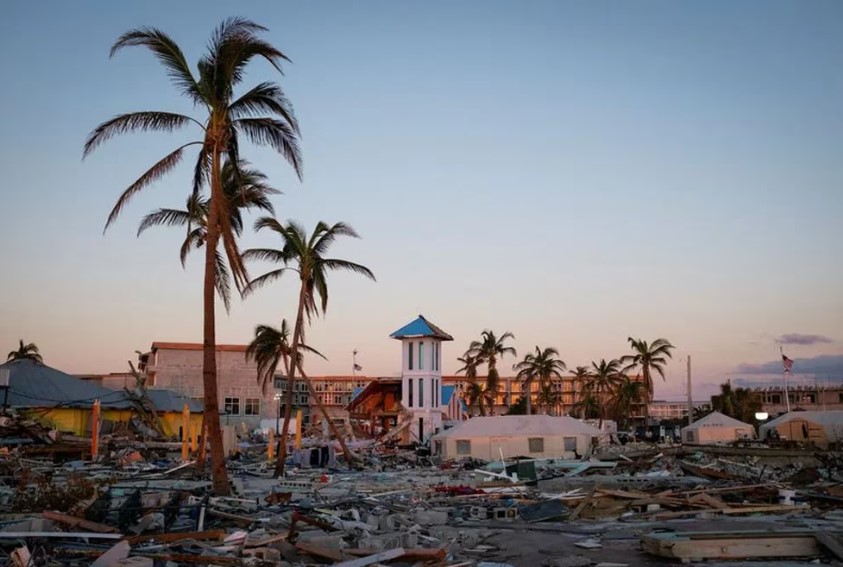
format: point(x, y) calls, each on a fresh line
point(784, 379)
point(354, 363)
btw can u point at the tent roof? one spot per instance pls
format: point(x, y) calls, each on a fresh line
point(167, 401)
point(829, 418)
point(421, 327)
point(519, 425)
point(717, 419)
point(37, 385)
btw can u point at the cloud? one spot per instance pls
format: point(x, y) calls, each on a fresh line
point(826, 364)
point(800, 339)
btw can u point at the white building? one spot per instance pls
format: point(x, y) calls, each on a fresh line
point(421, 375)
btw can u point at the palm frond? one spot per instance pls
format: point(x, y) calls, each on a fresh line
point(266, 98)
point(194, 239)
point(274, 133)
point(164, 217)
point(134, 121)
point(222, 281)
point(334, 264)
point(168, 54)
point(263, 280)
point(164, 166)
point(264, 254)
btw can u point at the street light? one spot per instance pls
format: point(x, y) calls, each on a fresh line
point(761, 415)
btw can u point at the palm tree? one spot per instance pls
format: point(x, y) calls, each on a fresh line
point(543, 365)
point(488, 349)
point(648, 357)
point(549, 395)
point(261, 115)
point(305, 255)
point(588, 405)
point(469, 367)
point(627, 393)
point(244, 188)
point(740, 403)
point(602, 380)
point(270, 347)
point(475, 395)
point(28, 351)
point(580, 377)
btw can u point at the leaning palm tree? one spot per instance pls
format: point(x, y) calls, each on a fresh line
point(244, 188)
point(305, 255)
point(28, 351)
point(648, 357)
point(544, 366)
point(261, 115)
point(603, 380)
point(627, 393)
point(488, 349)
point(271, 347)
point(469, 367)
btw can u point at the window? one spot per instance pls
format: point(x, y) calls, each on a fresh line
point(463, 447)
point(421, 356)
point(253, 406)
point(232, 406)
point(536, 444)
point(421, 392)
point(689, 436)
point(410, 390)
point(436, 355)
point(569, 444)
point(410, 357)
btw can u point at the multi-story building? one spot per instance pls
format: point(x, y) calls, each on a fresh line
point(802, 397)
point(663, 409)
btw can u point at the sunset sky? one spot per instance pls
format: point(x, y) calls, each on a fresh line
point(573, 172)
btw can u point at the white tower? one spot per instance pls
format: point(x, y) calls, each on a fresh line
point(421, 375)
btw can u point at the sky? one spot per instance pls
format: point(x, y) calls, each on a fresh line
point(573, 172)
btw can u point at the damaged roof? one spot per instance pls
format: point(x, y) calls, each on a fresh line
point(36, 385)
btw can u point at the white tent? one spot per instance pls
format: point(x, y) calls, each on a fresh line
point(538, 436)
point(818, 427)
point(716, 428)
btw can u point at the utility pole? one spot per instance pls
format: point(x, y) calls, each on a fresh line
point(690, 397)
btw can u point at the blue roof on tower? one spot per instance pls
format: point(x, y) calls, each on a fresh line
point(421, 327)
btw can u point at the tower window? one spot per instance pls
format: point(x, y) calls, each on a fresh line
point(410, 357)
point(421, 392)
point(421, 356)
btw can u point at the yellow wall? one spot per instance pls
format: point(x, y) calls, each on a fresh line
point(77, 420)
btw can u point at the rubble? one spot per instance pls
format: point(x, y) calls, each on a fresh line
point(138, 504)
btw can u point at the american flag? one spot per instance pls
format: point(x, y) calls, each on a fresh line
point(788, 363)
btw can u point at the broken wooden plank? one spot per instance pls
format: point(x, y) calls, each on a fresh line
point(217, 535)
point(699, 546)
point(74, 521)
point(65, 535)
point(321, 552)
point(412, 554)
point(581, 506)
point(195, 559)
point(830, 543)
point(387, 555)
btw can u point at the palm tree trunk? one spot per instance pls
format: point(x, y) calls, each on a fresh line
point(291, 379)
point(219, 475)
point(648, 392)
point(350, 458)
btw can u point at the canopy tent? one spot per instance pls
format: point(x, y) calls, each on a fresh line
point(716, 428)
point(537, 436)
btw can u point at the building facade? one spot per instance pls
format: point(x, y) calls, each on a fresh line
point(802, 398)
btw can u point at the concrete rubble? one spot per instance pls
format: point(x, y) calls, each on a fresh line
point(139, 505)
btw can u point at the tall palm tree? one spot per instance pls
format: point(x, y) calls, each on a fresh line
point(740, 403)
point(581, 375)
point(648, 357)
point(271, 347)
point(488, 349)
point(603, 379)
point(261, 115)
point(244, 188)
point(627, 393)
point(28, 351)
point(544, 366)
point(305, 255)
